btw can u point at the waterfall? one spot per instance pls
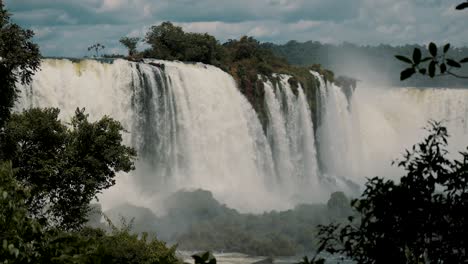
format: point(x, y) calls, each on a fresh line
point(291, 135)
point(360, 136)
point(192, 129)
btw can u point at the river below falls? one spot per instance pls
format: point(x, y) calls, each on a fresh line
point(238, 258)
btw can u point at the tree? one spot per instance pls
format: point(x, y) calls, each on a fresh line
point(96, 47)
point(20, 235)
point(166, 41)
point(64, 167)
point(170, 42)
point(19, 59)
point(422, 219)
point(130, 44)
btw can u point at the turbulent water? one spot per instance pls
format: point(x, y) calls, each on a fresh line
point(192, 129)
point(360, 136)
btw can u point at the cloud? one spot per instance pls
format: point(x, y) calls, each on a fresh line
point(67, 27)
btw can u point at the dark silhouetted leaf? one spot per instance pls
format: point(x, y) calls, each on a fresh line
point(404, 59)
point(462, 6)
point(407, 73)
point(422, 71)
point(446, 47)
point(443, 68)
point(465, 60)
point(432, 69)
point(453, 63)
point(433, 49)
point(426, 59)
point(417, 56)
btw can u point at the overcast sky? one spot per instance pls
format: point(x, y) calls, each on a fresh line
point(68, 27)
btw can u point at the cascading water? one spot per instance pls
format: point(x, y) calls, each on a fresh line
point(192, 129)
point(340, 148)
point(360, 136)
point(291, 135)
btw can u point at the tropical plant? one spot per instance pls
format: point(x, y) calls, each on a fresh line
point(64, 167)
point(437, 64)
point(130, 44)
point(421, 219)
point(204, 258)
point(96, 48)
point(20, 235)
point(19, 59)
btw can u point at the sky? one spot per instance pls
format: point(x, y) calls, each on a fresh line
point(68, 27)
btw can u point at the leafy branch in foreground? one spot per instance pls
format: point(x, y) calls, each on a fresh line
point(421, 219)
point(204, 258)
point(19, 59)
point(437, 64)
point(64, 167)
point(462, 6)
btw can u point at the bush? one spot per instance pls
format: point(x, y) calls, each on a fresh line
point(422, 219)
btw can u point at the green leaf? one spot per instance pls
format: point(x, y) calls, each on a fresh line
point(404, 59)
point(407, 73)
point(432, 68)
point(443, 68)
point(446, 47)
point(465, 60)
point(417, 56)
point(433, 49)
point(453, 63)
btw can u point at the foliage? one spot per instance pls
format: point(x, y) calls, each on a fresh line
point(64, 167)
point(244, 59)
point(462, 6)
point(130, 44)
point(19, 59)
point(121, 246)
point(170, 42)
point(196, 221)
point(437, 64)
point(19, 234)
point(24, 240)
point(204, 258)
point(375, 63)
point(96, 48)
point(420, 219)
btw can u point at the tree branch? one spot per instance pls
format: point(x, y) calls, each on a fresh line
point(456, 75)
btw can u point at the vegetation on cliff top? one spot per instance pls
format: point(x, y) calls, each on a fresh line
point(244, 59)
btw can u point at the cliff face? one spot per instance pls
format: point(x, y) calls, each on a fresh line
point(251, 82)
